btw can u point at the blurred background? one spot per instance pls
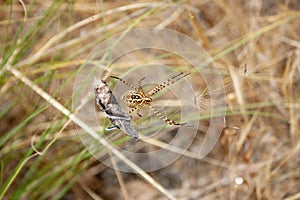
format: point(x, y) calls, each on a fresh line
point(254, 45)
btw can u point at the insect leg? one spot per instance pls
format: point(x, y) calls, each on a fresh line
point(116, 117)
point(112, 128)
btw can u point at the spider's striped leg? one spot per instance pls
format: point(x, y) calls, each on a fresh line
point(162, 85)
point(166, 83)
point(140, 82)
point(137, 108)
point(161, 116)
point(140, 85)
point(125, 82)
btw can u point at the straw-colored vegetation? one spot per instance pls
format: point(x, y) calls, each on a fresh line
point(254, 44)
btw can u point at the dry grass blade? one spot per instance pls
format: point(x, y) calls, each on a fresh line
point(244, 133)
point(119, 176)
point(294, 197)
point(184, 152)
point(84, 22)
point(170, 19)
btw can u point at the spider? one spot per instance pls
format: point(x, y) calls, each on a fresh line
point(136, 99)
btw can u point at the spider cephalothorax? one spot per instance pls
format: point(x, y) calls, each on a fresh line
point(136, 99)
